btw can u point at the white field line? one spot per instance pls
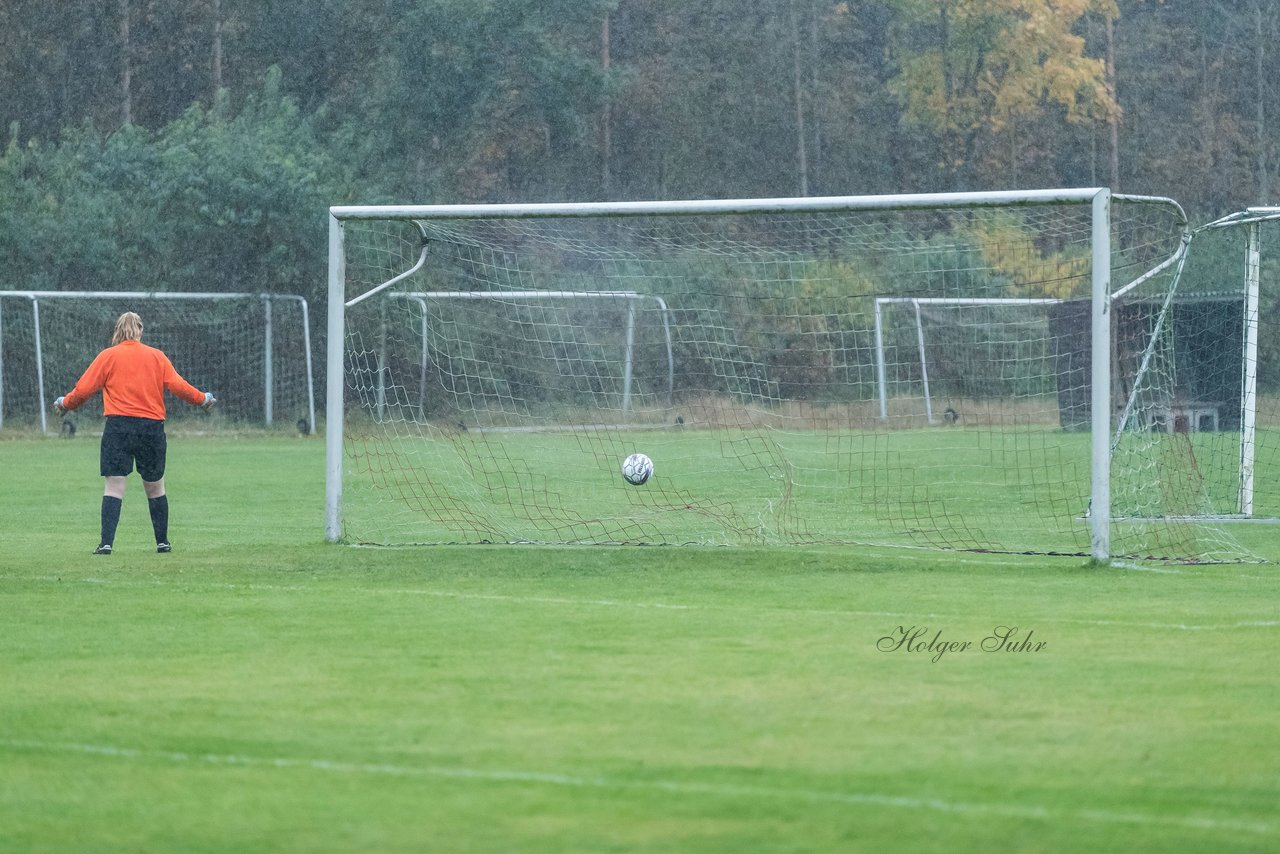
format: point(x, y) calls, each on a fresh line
point(721, 790)
point(1135, 567)
point(669, 606)
point(987, 560)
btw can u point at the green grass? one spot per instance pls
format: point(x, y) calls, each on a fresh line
point(260, 690)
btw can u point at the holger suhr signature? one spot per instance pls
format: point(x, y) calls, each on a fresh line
point(921, 639)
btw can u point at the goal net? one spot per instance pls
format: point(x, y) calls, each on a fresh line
point(1203, 393)
point(901, 370)
point(253, 351)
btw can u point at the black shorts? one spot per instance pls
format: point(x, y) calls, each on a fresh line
point(126, 440)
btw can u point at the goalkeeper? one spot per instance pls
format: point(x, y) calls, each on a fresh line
point(133, 378)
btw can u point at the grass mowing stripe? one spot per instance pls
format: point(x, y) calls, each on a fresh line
point(671, 606)
point(1039, 813)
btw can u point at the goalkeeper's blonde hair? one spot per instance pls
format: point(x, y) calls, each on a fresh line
point(128, 328)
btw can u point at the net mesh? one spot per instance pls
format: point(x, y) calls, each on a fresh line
point(1196, 439)
point(916, 378)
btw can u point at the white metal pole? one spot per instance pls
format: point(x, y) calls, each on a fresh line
point(311, 383)
point(138, 295)
point(1100, 351)
point(626, 368)
point(35, 320)
point(423, 363)
point(1, 364)
point(1249, 370)
point(671, 359)
point(723, 206)
point(268, 380)
point(880, 379)
point(382, 360)
point(334, 383)
point(924, 365)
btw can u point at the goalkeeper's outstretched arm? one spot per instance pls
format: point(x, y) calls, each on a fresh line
point(89, 384)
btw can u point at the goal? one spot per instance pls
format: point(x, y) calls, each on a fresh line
point(961, 371)
point(1204, 366)
point(252, 350)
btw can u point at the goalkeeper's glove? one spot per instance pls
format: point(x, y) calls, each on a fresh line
point(59, 407)
point(209, 401)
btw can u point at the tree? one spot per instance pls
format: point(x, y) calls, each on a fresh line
point(728, 97)
point(1251, 27)
point(216, 200)
point(481, 100)
point(972, 69)
point(239, 193)
point(581, 99)
point(1187, 75)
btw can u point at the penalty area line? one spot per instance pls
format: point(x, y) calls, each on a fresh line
point(716, 790)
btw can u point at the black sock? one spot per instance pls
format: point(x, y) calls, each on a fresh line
point(110, 518)
point(159, 508)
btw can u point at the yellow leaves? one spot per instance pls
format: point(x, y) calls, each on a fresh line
point(1042, 61)
point(997, 61)
point(1008, 248)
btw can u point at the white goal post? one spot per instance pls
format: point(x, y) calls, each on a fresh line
point(214, 339)
point(776, 369)
point(422, 297)
point(882, 385)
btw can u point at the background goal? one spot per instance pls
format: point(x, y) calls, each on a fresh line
point(967, 371)
point(252, 350)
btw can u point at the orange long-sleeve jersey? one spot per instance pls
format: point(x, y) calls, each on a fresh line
point(133, 378)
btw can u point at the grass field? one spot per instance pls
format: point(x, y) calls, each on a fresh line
point(260, 690)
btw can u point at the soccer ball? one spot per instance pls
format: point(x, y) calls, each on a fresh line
point(636, 469)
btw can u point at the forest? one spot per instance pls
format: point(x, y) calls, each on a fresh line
point(196, 145)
